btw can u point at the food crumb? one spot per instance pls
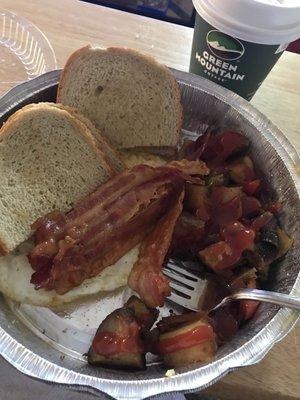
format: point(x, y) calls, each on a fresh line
point(65, 330)
point(170, 373)
point(62, 357)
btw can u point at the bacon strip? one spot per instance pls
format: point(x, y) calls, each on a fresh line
point(86, 255)
point(145, 277)
point(77, 264)
point(190, 167)
point(105, 225)
point(56, 224)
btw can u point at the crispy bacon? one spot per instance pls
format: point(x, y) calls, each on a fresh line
point(145, 277)
point(83, 261)
point(52, 225)
point(190, 168)
point(105, 225)
point(56, 224)
point(117, 187)
point(105, 239)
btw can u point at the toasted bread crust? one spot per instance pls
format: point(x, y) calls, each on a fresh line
point(3, 248)
point(72, 57)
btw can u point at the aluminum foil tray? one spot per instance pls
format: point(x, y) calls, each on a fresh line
point(49, 344)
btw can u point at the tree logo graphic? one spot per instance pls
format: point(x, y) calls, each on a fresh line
point(224, 46)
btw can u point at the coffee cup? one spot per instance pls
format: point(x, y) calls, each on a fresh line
point(237, 43)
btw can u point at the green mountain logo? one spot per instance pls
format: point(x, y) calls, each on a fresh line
point(224, 46)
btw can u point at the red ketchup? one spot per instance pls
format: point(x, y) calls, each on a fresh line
point(109, 344)
point(185, 340)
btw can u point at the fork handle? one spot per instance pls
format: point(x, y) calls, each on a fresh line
point(280, 299)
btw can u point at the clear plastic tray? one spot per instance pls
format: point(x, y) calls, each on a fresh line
point(25, 52)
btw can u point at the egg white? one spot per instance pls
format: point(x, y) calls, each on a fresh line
point(15, 274)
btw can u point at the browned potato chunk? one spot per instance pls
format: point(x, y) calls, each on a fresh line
point(197, 201)
point(203, 352)
point(117, 343)
point(242, 170)
point(190, 342)
point(285, 243)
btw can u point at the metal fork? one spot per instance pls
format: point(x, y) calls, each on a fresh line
point(187, 289)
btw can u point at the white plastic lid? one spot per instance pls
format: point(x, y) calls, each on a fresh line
point(258, 21)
